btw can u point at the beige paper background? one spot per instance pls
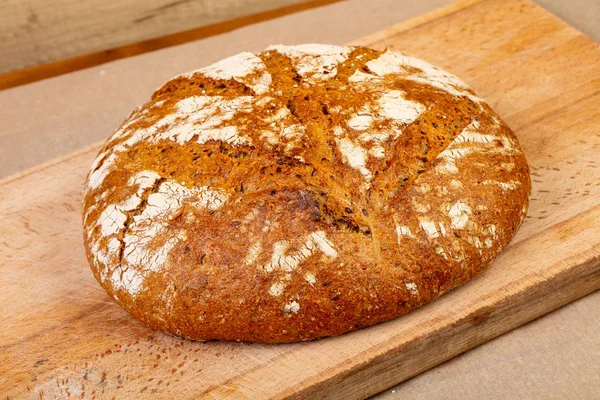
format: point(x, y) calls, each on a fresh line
point(554, 357)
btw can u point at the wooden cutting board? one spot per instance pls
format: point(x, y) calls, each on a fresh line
point(62, 336)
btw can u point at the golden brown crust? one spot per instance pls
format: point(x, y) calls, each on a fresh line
point(302, 192)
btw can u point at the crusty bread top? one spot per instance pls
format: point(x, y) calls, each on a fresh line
point(301, 192)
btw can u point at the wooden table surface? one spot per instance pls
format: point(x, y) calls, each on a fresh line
point(463, 377)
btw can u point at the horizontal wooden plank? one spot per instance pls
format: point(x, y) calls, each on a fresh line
point(37, 32)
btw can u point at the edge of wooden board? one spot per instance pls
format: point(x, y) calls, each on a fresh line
point(479, 327)
point(91, 148)
point(454, 7)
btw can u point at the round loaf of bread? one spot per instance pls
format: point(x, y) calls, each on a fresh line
point(301, 192)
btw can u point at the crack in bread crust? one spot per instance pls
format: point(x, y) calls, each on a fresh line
point(300, 192)
point(136, 212)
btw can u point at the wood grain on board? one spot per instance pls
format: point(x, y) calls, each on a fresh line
point(90, 58)
point(62, 335)
point(36, 32)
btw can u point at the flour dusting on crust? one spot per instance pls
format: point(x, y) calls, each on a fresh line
point(245, 67)
point(396, 63)
point(149, 237)
point(316, 61)
point(288, 261)
point(300, 192)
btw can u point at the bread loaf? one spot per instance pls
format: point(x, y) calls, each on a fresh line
point(301, 192)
